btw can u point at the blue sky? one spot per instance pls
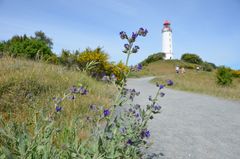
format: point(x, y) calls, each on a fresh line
point(209, 28)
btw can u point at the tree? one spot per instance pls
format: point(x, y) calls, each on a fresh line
point(39, 35)
point(191, 58)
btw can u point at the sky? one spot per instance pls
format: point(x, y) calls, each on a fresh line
point(208, 28)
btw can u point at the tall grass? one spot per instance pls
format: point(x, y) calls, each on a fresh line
point(26, 86)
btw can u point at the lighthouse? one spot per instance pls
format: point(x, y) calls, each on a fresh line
point(167, 40)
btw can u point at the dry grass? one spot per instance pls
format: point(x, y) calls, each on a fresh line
point(200, 82)
point(26, 86)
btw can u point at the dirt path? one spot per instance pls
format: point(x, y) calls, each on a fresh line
point(192, 125)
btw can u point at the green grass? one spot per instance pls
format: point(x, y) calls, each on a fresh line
point(27, 86)
point(193, 81)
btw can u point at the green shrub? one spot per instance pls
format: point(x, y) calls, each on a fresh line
point(25, 46)
point(224, 76)
point(207, 66)
point(191, 58)
point(153, 58)
point(236, 73)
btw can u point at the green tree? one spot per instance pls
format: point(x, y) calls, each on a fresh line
point(191, 58)
point(39, 35)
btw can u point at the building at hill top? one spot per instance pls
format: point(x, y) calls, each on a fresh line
point(167, 40)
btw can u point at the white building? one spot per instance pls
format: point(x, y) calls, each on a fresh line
point(167, 40)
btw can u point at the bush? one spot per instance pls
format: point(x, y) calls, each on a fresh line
point(236, 73)
point(25, 46)
point(153, 58)
point(191, 58)
point(207, 66)
point(224, 76)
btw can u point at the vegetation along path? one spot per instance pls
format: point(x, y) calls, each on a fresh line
point(191, 125)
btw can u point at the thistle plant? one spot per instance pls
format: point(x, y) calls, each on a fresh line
point(120, 131)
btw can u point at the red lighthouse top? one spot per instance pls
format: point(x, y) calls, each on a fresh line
point(166, 22)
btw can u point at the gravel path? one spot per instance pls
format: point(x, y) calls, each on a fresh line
point(191, 126)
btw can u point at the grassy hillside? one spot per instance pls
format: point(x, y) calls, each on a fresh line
point(27, 86)
point(201, 82)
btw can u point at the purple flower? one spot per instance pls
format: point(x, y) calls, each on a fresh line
point(169, 82)
point(106, 112)
point(142, 32)
point(129, 142)
point(157, 107)
point(135, 49)
point(123, 35)
point(58, 108)
point(72, 97)
point(139, 67)
point(137, 115)
point(83, 91)
point(150, 98)
point(145, 133)
point(145, 32)
point(127, 46)
point(162, 94)
point(74, 89)
point(161, 86)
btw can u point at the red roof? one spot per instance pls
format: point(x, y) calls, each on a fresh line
point(166, 22)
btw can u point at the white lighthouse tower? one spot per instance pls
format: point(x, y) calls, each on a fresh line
point(167, 40)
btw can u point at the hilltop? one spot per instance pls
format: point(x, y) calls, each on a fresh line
point(192, 80)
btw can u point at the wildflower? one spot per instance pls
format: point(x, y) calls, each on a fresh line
point(140, 31)
point(83, 91)
point(135, 49)
point(74, 89)
point(139, 67)
point(157, 107)
point(145, 133)
point(72, 97)
point(161, 86)
point(162, 94)
point(127, 46)
point(150, 98)
point(105, 78)
point(106, 112)
point(137, 115)
point(123, 35)
point(113, 77)
point(129, 142)
point(58, 108)
point(137, 106)
point(133, 38)
point(169, 82)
